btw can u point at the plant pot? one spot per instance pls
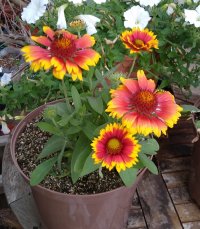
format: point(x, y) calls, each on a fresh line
point(194, 182)
point(108, 210)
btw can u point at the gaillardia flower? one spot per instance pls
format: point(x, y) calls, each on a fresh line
point(64, 51)
point(143, 108)
point(115, 147)
point(138, 40)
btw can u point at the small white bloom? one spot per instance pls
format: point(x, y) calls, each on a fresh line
point(170, 8)
point(77, 2)
point(136, 16)
point(195, 1)
point(34, 10)
point(5, 79)
point(193, 16)
point(61, 23)
point(180, 2)
point(90, 22)
point(148, 2)
point(4, 127)
point(178, 19)
point(1, 69)
point(99, 1)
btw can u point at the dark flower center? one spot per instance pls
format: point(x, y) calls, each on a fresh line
point(114, 146)
point(145, 102)
point(62, 47)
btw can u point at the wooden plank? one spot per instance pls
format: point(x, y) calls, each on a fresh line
point(175, 164)
point(1, 153)
point(135, 202)
point(176, 179)
point(4, 139)
point(1, 185)
point(136, 219)
point(173, 151)
point(15, 186)
point(26, 205)
point(188, 212)
point(8, 220)
point(156, 204)
point(191, 225)
point(180, 195)
point(18, 194)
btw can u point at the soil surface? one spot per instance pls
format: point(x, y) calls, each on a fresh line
point(30, 143)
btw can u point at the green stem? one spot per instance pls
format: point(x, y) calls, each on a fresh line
point(132, 66)
point(60, 156)
point(65, 94)
point(152, 73)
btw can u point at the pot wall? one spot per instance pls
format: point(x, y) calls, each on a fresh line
point(107, 210)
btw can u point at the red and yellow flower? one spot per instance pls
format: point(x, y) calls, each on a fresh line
point(143, 108)
point(64, 51)
point(115, 147)
point(138, 40)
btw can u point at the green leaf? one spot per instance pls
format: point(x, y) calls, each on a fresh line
point(76, 121)
point(44, 126)
point(79, 156)
point(65, 119)
point(147, 162)
point(41, 171)
point(96, 104)
point(197, 124)
point(54, 144)
point(76, 98)
point(129, 176)
point(60, 107)
point(149, 146)
point(190, 108)
point(89, 166)
point(80, 160)
point(88, 129)
point(164, 83)
point(60, 156)
point(73, 130)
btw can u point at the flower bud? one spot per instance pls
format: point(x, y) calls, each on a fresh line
point(77, 25)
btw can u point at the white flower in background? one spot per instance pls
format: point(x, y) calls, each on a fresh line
point(195, 1)
point(148, 2)
point(61, 23)
point(180, 2)
point(99, 1)
point(1, 69)
point(77, 2)
point(90, 22)
point(34, 10)
point(136, 16)
point(5, 79)
point(193, 16)
point(4, 127)
point(170, 8)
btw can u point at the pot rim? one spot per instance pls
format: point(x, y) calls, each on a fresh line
point(19, 128)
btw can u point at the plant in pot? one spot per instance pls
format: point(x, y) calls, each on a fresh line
point(84, 155)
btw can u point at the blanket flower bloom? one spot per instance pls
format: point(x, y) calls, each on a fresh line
point(65, 52)
point(138, 40)
point(143, 108)
point(115, 147)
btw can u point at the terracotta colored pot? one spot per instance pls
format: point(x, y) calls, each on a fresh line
point(108, 210)
point(194, 182)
